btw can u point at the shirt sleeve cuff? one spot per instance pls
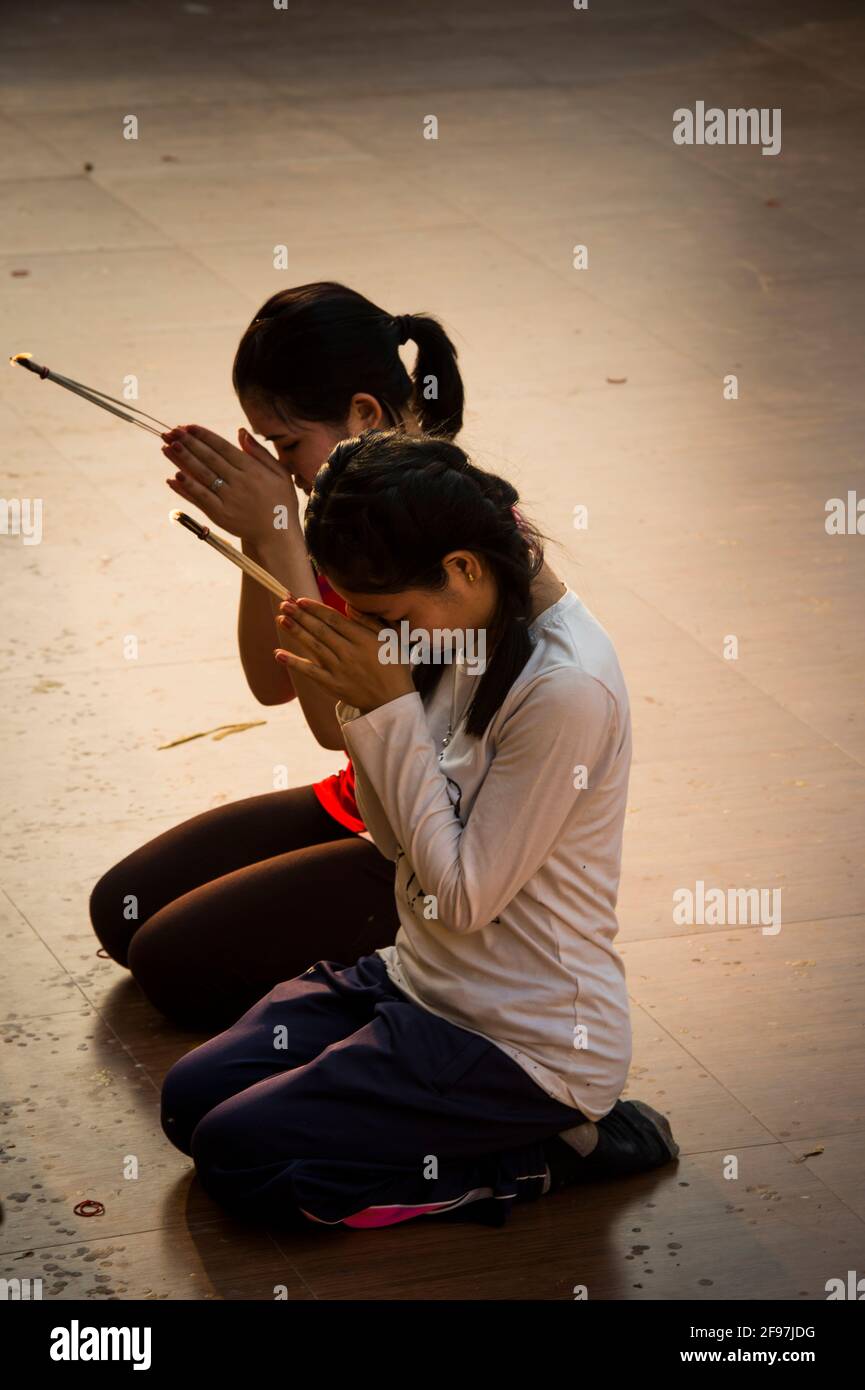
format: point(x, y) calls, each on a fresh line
point(346, 713)
point(383, 716)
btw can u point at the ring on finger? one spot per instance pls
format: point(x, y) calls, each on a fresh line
point(217, 484)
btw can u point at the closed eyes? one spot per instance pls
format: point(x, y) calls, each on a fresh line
point(382, 622)
point(281, 441)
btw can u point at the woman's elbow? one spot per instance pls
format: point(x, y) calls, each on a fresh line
point(460, 918)
point(330, 741)
point(272, 697)
point(265, 689)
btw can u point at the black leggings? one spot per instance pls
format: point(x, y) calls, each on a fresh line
point(213, 914)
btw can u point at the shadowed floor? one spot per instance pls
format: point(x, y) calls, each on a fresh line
point(601, 388)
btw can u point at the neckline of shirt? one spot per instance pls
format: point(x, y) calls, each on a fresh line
point(549, 615)
point(543, 620)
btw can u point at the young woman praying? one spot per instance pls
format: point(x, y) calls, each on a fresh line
point(477, 1060)
point(243, 896)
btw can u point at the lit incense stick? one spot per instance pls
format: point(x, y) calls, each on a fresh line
point(236, 557)
point(90, 393)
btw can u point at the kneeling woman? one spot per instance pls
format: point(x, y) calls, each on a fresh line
point(478, 1061)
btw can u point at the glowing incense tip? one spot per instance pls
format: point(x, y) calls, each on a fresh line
point(231, 553)
point(202, 532)
point(25, 360)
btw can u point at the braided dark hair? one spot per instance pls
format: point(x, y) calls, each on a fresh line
point(311, 348)
point(387, 507)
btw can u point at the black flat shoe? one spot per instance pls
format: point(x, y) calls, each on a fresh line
point(632, 1138)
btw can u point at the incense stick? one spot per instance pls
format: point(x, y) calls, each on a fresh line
point(236, 557)
point(92, 394)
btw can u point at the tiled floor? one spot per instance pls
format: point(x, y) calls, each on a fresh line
point(261, 127)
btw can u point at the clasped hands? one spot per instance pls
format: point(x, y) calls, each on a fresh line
point(340, 653)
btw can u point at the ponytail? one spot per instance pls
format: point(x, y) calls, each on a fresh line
point(438, 397)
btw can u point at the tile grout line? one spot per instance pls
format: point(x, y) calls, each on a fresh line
point(646, 1009)
point(86, 1002)
point(738, 927)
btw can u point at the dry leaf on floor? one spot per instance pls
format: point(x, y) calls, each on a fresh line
point(237, 728)
point(221, 731)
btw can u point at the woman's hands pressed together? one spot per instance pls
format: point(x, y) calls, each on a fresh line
point(253, 483)
point(341, 654)
point(244, 491)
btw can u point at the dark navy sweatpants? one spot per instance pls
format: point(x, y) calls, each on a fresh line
point(337, 1099)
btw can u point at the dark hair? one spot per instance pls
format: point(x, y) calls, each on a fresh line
point(310, 349)
point(387, 507)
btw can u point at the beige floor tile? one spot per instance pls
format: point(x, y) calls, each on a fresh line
point(78, 1114)
point(210, 136)
point(256, 204)
point(664, 1074)
point(836, 1159)
point(216, 1261)
point(129, 76)
point(65, 735)
point(37, 979)
point(24, 156)
point(112, 302)
point(30, 224)
point(775, 1019)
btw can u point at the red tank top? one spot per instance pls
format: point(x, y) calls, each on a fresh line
point(336, 793)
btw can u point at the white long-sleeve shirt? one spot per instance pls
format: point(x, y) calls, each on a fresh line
point(508, 855)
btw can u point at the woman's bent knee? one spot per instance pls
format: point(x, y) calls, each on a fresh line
point(184, 984)
point(114, 914)
point(184, 1104)
point(235, 1174)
